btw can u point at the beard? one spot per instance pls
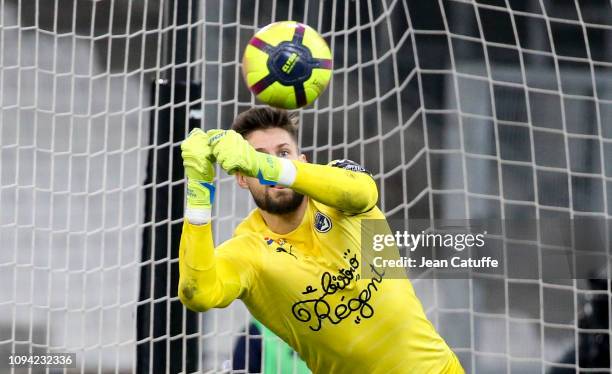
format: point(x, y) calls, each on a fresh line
point(286, 203)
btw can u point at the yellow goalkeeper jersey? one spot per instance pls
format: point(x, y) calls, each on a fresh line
point(305, 287)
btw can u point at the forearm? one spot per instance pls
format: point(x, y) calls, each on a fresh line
point(344, 187)
point(345, 190)
point(205, 281)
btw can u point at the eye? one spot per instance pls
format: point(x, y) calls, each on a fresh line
point(283, 153)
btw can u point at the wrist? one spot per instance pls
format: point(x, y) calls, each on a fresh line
point(198, 216)
point(200, 196)
point(272, 170)
point(288, 173)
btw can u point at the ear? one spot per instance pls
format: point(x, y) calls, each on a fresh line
point(302, 158)
point(241, 180)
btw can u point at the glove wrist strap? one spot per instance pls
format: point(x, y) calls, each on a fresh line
point(200, 196)
point(198, 216)
point(287, 173)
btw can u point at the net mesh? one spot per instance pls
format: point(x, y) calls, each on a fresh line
point(460, 109)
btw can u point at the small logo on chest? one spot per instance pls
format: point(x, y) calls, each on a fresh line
point(281, 246)
point(322, 223)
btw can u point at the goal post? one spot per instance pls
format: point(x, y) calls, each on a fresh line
point(460, 109)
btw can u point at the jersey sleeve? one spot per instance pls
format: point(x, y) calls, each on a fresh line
point(212, 278)
point(341, 184)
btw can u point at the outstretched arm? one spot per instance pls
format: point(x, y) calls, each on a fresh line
point(343, 184)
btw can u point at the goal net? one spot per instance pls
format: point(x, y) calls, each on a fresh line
point(461, 109)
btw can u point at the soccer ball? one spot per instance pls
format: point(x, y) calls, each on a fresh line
point(287, 65)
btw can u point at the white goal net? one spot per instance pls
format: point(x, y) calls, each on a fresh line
point(461, 109)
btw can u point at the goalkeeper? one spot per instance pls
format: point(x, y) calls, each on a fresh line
point(295, 260)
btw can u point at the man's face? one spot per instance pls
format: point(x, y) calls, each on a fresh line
point(273, 199)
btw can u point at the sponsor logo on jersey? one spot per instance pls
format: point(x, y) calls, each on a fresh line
point(322, 223)
point(319, 306)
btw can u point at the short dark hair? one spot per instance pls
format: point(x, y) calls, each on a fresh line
point(261, 118)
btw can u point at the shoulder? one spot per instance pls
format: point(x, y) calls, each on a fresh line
point(244, 251)
point(245, 243)
point(349, 165)
point(251, 224)
point(246, 238)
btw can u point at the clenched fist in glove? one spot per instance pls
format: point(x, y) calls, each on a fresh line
point(233, 153)
point(200, 173)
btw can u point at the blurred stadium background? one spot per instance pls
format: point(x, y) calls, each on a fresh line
point(460, 109)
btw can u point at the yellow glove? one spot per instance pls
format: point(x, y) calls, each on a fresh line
point(233, 153)
point(200, 172)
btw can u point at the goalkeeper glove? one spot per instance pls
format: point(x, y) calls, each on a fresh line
point(233, 153)
point(200, 173)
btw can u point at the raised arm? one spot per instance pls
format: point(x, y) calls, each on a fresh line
point(342, 184)
point(208, 278)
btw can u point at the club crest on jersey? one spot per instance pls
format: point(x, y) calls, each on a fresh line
point(322, 223)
